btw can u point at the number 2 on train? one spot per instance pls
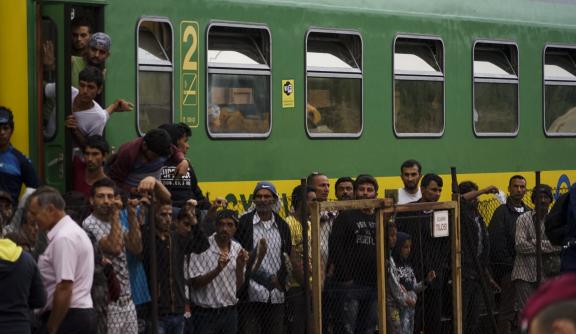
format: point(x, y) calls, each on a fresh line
point(188, 64)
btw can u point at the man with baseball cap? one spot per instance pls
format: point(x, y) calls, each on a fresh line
point(96, 53)
point(15, 168)
point(264, 310)
point(552, 309)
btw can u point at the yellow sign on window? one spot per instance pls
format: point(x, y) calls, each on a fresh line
point(287, 93)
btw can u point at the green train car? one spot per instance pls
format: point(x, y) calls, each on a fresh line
point(277, 89)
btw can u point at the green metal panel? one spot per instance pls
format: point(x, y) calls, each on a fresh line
point(54, 149)
point(289, 153)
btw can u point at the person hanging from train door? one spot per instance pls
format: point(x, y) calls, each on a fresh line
point(95, 54)
point(88, 117)
point(81, 33)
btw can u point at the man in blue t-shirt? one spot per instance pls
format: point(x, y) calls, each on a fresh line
point(15, 168)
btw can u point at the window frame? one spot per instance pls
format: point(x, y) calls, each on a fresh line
point(152, 68)
point(236, 69)
point(418, 76)
point(554, 83)
point(323, 72)
point(495, 79)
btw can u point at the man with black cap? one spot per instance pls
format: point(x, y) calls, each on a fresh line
point(15, 168)
point(96, 53)
point(216, 276)
point(264, 312)
point(524, 270)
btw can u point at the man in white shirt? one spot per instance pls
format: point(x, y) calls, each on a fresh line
point(88, 117)
point(264, 310)
point(215, 276)
point(67, 266)
point(410, 173)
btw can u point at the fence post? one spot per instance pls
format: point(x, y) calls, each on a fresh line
point(381, 259)
point(456, 258)
point(153, 268)
point(303, 217)
point(538, 229)
point(316, 268)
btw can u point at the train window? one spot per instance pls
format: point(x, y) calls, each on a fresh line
point(239, 81)
point(560, 91)
point(495, 89)
point(333, 83)
point(155, 70)
point(418, 87)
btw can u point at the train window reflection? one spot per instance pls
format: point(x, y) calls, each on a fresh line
point(560, 91)
point(495, 111)
point(333, 84)
point(418, 87)
point(155, 70)
point(239, 81)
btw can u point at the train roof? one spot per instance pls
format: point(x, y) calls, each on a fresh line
point(560, 13)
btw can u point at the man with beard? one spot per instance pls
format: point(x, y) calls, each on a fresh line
point(429, 253)
point(173, 243)
point(113, 241)
point(264, 310)
point(81, 32)
point(353, 255)
point(96, 53)
point(344, 188)
point(91, 168)
point(216, 276)
point(502, 231)
point(410, 173)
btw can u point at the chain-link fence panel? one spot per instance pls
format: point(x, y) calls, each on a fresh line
point(513, 256)
point(422, 255)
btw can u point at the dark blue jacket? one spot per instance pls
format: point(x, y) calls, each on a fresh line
point(21, 286)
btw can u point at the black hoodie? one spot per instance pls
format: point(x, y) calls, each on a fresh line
point(21, 288)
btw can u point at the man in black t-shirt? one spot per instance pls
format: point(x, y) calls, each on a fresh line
point(353, 253)
point(185, 187)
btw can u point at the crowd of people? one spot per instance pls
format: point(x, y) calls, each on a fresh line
point(136, 246)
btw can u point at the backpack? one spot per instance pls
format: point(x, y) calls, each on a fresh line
point(556, 224)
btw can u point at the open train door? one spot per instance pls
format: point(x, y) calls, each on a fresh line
point(54, 81)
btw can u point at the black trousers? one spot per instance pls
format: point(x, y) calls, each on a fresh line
point(77, 321)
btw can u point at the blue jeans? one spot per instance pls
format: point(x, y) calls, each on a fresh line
point(407, 314)
point(357, 309)
point(217, 321)
point(171, 324)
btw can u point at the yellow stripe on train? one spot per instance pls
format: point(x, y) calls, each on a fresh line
point(238, 193)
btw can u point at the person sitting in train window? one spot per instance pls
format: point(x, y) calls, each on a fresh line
point(81, 32)
point(15, 168)
point(410, 173)
point(88, 117)
point(138, 163)
point(96, 53)
point(90, 167)
point(186, 187)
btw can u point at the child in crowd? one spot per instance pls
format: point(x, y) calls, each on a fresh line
point(407, 278)
point(397, 298)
